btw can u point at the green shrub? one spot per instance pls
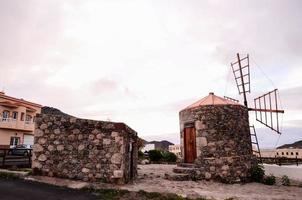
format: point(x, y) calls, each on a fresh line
point(269, 180)
point(141, 155)
point(285, 180)
point(257, 173)
point(155, 155)
point(169, 156)
point(8, 175)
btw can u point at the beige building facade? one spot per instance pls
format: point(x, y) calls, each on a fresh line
point(17, 118)
point(287, 153)
point(175, 149)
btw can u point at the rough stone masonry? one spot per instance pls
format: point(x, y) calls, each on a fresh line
point(82, 149)
point(223, 142)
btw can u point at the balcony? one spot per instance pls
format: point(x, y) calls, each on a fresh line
point(10, 123)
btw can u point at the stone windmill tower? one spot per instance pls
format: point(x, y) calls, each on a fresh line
point(215, 134)
point(215, 140)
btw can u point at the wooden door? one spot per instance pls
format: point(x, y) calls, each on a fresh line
point(190, 144)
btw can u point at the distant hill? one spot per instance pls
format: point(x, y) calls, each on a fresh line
point(162, 145)
point(296, 145)
point(53, 111)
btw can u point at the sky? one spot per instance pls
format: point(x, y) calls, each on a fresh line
point(141, 62)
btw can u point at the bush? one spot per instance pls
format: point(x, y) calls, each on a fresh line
point(8, 175)
point(285, 180)
point(269, 180)
point(155, 155)
point(257, 173)
point(141, 155)
point(169, 156)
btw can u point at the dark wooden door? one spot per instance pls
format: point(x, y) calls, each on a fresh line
point(190, 144)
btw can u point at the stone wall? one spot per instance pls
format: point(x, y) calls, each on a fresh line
point(223, 141)
point(88, 150)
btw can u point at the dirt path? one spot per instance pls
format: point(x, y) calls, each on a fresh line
point(151, 180)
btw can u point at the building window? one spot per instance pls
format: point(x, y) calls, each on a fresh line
point(5, 115)
point(22, 116)
point(277, 154)
point(287, 153)
point(14, 141)
point(297, 153)
point(282, 153)
point(28, 118)
point(292, 153)
point(15, 115)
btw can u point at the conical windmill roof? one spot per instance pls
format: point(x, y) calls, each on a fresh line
point(211, 99)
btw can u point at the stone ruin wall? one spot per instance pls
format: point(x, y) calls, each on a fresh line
point(88, 150)
point(223, 142)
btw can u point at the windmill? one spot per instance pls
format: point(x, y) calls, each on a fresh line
point(266, 106)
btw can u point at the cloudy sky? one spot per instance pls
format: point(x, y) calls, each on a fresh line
point(141, 62)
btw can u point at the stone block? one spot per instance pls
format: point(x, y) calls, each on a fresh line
point(91, 137)
point(225, 167)
point(212, 168)
point(85, 170)
point(73, 120)
point(60, 147)
point(96, 131)
point(71, 137)
point(38, 148)
point(99, 136)
point(56, 142)
point(106, 141)
point(203, 141)
point(208, 175)
point(36, 164)
point(80, 137)
point(81, 147)
point(116, 158)
point(114, 134)
point(118, 174)
point(75, 131)
point(42, 158)
point(199, 125)
point(51, 148)
point(43, 126)
point(38, 133)
point(42, 140)
point(57, 131)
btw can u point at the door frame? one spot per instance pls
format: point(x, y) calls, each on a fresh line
point(190, 125)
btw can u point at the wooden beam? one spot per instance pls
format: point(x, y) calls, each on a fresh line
point(242, 80)
point(266, 110)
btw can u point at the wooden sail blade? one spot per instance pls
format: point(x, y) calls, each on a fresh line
point(267, 110)
point(241, 72)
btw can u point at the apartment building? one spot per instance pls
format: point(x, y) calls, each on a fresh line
point(17, 118)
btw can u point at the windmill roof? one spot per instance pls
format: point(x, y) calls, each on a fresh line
point(212, 99)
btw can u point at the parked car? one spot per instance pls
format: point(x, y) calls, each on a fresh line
point(20, 150)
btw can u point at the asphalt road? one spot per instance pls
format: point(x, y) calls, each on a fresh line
point(26, 190)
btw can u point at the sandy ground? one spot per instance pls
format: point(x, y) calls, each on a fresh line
point(151, 180)
point(292, 171)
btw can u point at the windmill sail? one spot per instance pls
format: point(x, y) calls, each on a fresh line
point(241, 71)
point(267, 110)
